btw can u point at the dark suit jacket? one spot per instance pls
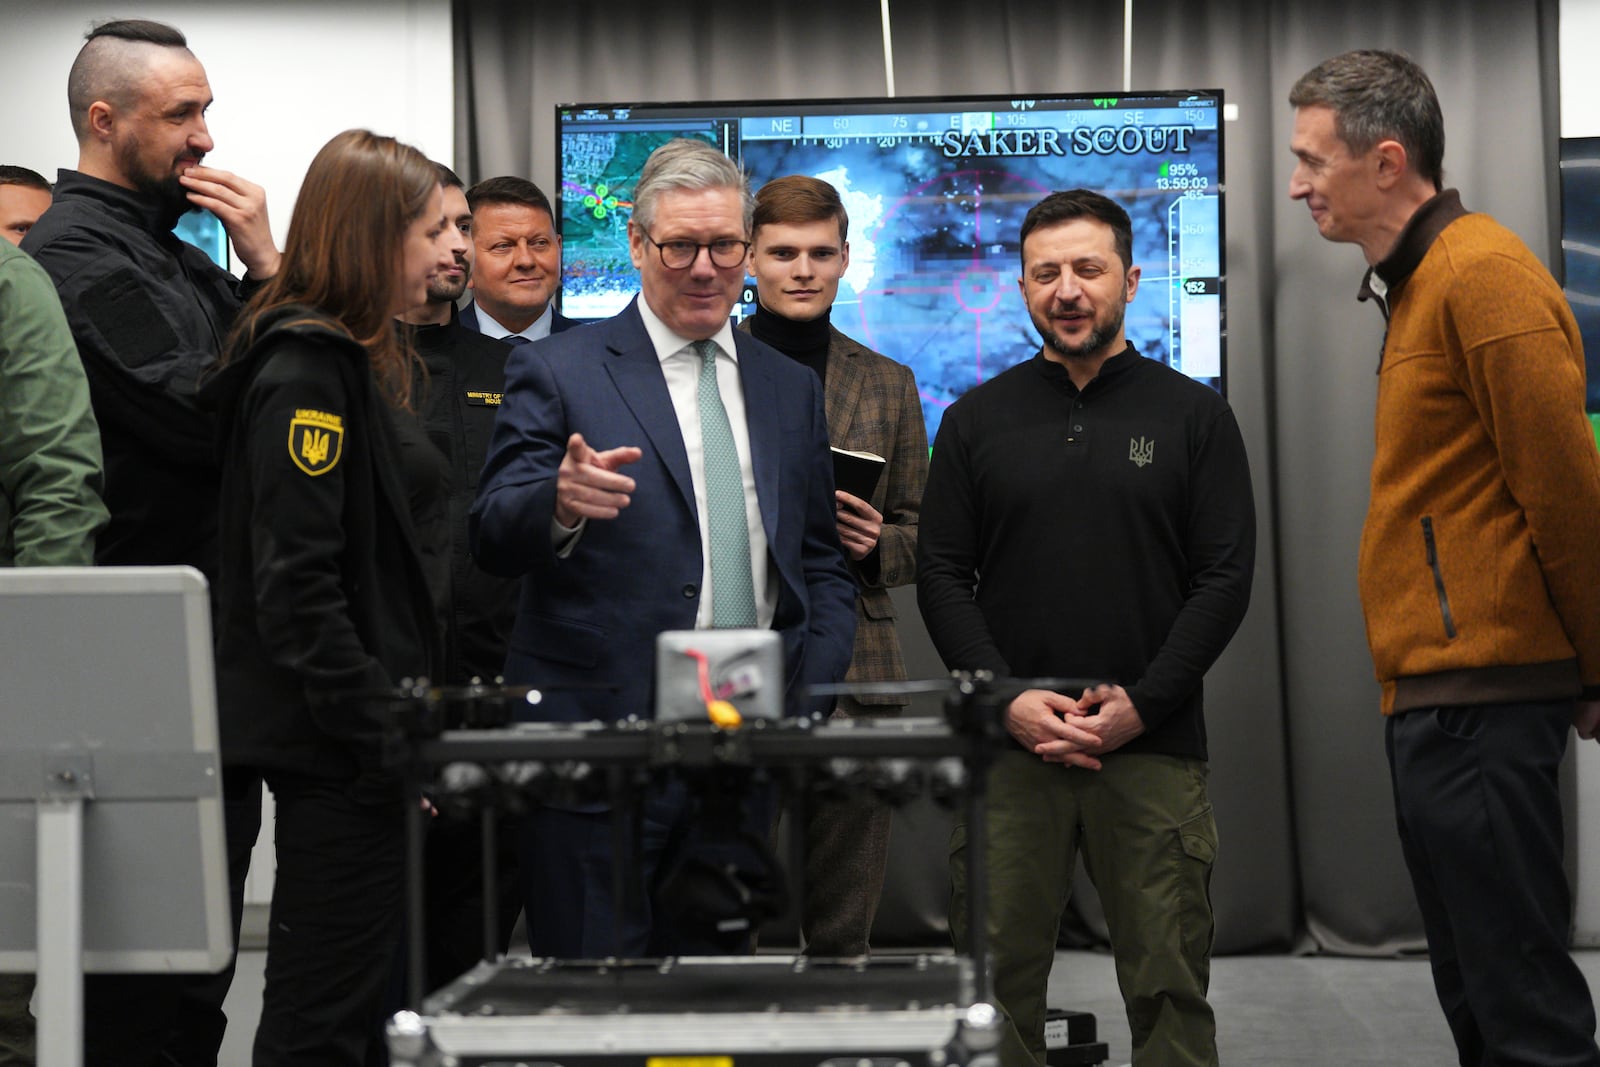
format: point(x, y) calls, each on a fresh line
point(593, 617)
point(468, 317)
point(873, 406)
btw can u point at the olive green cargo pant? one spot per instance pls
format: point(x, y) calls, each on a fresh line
point(1148, 839)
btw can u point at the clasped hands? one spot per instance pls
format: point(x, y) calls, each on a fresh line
point(1074, 732)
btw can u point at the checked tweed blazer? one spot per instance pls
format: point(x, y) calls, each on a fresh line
point(872, 406)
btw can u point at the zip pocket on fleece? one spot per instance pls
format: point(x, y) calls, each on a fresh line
point(1438, 577)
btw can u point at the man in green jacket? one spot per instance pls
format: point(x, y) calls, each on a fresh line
point(50, 503)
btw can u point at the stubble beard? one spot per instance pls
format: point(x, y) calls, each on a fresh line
point(164, 190)
point(1099, 335)
point(443, 292)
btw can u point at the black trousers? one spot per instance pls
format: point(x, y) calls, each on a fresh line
point(676, 852)
point(1479, 812)
point(453, 893)
point(175, 1020)
point(335, 926)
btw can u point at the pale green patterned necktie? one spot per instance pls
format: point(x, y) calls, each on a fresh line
point(733, 597)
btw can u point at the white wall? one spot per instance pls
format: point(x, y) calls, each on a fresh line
point(1580, 80)
point(1580, 117)
point(287, 76)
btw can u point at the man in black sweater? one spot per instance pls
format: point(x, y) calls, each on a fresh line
point(1105, 500)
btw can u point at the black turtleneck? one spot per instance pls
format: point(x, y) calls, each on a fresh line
point(802, 340)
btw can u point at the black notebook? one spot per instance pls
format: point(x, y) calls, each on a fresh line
point(857, 473)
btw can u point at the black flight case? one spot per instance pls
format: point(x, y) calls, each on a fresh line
point(720, 1011)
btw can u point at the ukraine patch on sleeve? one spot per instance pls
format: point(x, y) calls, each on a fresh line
point(316, 439)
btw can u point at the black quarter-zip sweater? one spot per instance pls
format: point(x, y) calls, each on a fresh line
point(1107, 533)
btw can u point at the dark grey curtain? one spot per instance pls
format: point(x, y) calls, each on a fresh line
point(517, 60)
point(1298, 776)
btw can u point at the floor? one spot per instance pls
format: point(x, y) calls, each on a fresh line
point(1312, 1011)
point(1271, 1010)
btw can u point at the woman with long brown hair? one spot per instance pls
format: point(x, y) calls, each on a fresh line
point(322, 595)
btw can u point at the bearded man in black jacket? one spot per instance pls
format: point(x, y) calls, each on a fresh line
point(1105, 500)
point(149, 314)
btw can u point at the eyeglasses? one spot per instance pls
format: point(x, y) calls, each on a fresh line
point(725, 252)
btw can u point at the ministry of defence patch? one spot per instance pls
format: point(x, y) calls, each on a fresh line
point(316, 439)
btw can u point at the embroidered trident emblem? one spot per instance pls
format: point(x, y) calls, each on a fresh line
point(1141, 452)
point(314, 447)
point(316, 438)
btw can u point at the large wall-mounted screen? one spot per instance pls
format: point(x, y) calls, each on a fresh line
point(936, 189)
point(1580, 248)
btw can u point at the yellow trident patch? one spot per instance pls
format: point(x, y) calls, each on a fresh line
point(316, 440)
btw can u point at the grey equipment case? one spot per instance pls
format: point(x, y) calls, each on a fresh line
point(705, 1011)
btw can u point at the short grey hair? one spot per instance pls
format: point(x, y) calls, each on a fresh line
point(1377, 95)
point(690, 164)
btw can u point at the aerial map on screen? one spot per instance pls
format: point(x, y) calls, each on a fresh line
point(936, 192)
point(1580, 248)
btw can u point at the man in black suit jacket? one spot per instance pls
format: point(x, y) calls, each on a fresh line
point(517, 262)
point(601, 483)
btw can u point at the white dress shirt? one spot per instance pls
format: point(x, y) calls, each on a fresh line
point(539, 328)
point(681, 364)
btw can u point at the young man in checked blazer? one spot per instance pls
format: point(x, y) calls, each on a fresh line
point(798, 256)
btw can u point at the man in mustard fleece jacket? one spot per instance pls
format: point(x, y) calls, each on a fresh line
point(1480, 557)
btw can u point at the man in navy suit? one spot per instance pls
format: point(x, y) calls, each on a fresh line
point(517, 262)
point(600, 485)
